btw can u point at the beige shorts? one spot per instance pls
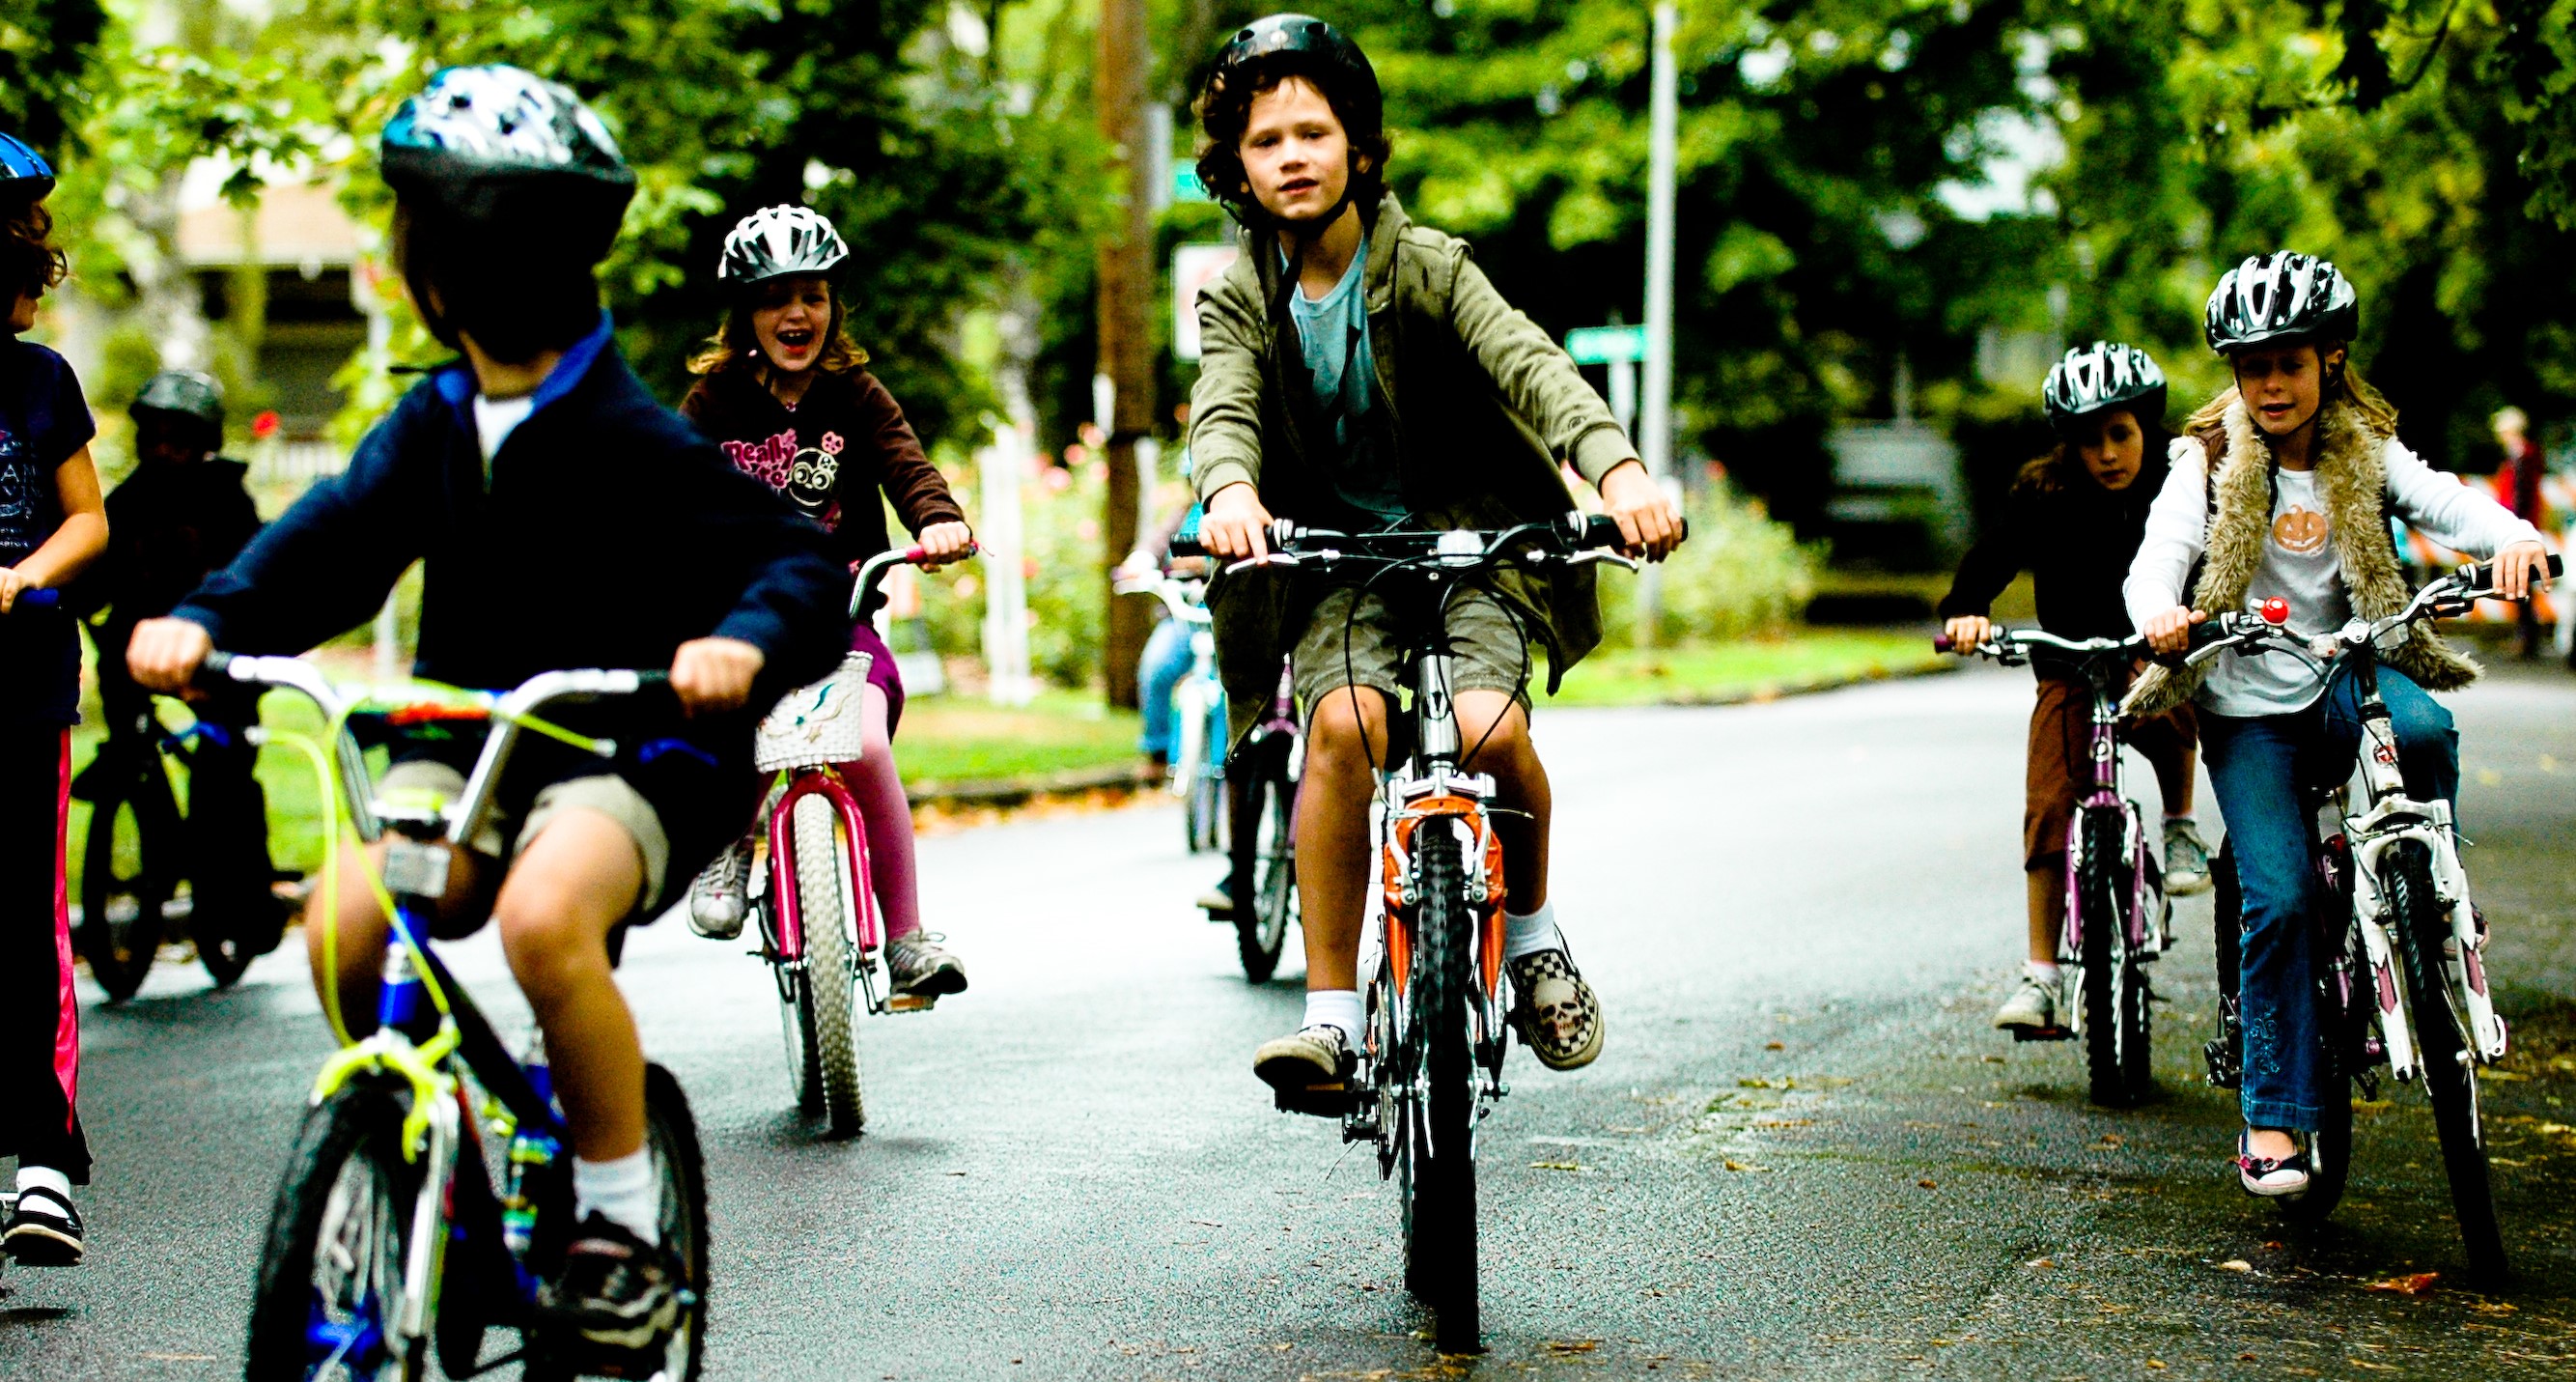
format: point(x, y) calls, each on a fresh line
point(608, 794)
point(1485, 648)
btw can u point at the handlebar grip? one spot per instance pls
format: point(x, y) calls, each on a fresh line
point(40, 597)
point(1187, 545)
point(217, 667)
point(1942, 643)
point(2557, 566)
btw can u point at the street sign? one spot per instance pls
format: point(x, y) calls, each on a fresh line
point(1186, 186)
point(1194, 267)
point(1601, 345)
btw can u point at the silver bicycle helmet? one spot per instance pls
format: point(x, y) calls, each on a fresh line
point(182, 393)
point(779, 240)
point(2281, 298)
point(2103, 375)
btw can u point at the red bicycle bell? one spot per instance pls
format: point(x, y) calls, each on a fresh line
point(2276, 611)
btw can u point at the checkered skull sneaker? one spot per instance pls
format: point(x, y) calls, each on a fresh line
point(1556, 1013)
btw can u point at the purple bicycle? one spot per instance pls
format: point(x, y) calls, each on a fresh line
point(2117, 916)
point(1261, 779)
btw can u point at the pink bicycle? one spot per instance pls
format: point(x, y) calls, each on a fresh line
point(820, 930)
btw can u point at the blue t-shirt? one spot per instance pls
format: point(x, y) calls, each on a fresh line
point(44, 422)
point(1333, 333)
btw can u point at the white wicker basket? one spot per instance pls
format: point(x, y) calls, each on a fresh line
point(815, 725)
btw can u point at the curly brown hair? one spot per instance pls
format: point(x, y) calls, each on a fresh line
point(736, 346)
point(30, 262)
point(1225, 111)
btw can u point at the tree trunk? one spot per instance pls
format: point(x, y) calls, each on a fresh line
point(1127, 284)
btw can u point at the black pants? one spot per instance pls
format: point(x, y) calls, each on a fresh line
point(39, 1014)
point(228, 863)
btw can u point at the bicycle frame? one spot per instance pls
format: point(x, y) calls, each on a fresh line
point(789, 941)
point(2106, 796)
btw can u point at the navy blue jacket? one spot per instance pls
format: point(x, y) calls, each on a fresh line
point(609, 533)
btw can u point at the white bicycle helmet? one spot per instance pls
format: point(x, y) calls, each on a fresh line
point(2280, 298)
point(2103, 375)
point(779, 240)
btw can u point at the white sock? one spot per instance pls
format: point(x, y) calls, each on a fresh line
point(1337, 1008)
point(2045, 973)
point(2185, 818)
point(1528, 935)
point(47, 1179)
point(623, 1191)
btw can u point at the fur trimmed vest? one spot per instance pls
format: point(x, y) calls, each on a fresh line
point(2352, 484)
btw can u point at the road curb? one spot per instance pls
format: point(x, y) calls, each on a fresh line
point(1128, 779)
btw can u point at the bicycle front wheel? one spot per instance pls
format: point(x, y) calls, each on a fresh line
point(129, 872)
point(1440, 1142)
point(2415, 915)
point(1263, 881)
point(2116, 1030)
point(671, 1135)
point(827, 998)
point(331, 1280)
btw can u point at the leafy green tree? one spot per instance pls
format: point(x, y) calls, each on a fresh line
point(46, 47)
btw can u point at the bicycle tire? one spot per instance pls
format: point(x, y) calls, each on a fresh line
point(2450, 1080)
point(1263, 880)
point(121, 906)
point(359, 1129)
point(1440, 1227)
point(2114, 1000)
point(796, 1026)
point(823, 907)
point(2341, 1025)
point(671, 1135)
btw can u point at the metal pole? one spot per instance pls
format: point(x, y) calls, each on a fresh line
point(1656, 443)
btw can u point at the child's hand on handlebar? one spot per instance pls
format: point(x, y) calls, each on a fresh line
point(1649, 524)
point(2170, 632)
point(1236, 527)
point(711, 675)
point(942, 543)
point(164, 655)
point(2522, 570)
point(11, 583)
point(1966, 632)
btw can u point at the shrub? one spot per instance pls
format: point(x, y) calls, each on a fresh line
point(1740, 575)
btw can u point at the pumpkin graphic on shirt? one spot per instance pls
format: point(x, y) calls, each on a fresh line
point(2300, 530)
point(812, 478)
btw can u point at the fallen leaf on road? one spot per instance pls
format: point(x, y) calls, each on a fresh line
point(1565, 1347)
point(1207, 1223)
point(1734, 1165)
point(2245, 1358)
point(1558, 1166)
point(1993, 1060)
point(2410, 1284)
point(2040, 1262)
point(2489, 1072)
point(1775, 1046)
point(2492, 1307)
point(2156, 1363)
point(2236, 1264)
point(2554, 1129)
point(1928, 1185)
point(2112, 1139)
point(1753, 1082)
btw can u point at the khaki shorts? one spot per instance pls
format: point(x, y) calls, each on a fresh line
point(1485, 648)
point(606, 793)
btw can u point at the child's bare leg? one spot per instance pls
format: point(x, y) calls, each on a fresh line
point(358, 944)
point(1520, 782)
point(577, 879)
point(1346, 732)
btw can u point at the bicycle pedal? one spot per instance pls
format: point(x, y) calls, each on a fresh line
point(2043, 1033)
point(911, 1003)
point(1319, 1100)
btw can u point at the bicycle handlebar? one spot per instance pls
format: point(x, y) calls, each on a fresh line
point(2269, 630)
point(2014, 645)
point(37, 597)
point(874, 568)
point(1577, 539)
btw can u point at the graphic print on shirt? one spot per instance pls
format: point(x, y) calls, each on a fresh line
point(19, 513)
point(2301, 530)
point(806, 475)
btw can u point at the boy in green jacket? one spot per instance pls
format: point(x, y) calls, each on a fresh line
point(1340, 318)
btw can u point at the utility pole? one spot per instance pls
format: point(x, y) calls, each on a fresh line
point(1657, 441)
point(1123, 64)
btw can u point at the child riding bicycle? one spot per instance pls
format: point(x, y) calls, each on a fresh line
point(548, 495)
point(52, 524)
point(786, 393)
point(2283, 490)
point(2073, 520)
point(1338, 297)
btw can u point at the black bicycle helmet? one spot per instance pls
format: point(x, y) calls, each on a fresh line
point(2279, 299)
point(507, 152)
point(1278, 45)
point(776, 241)
point(2103, 375)
point(182, 393)
point(24, 173)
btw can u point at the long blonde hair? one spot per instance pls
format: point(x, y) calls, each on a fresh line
point(2377, 413)
point(735, 345)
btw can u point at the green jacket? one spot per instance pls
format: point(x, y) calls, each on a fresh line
point(1496, 404)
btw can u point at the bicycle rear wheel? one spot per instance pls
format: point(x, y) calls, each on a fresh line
point(1264, 878)
point(1440, 1153)
point(129, 872)
point(827, 998)
point(331, 1278)
point(2450, 1076)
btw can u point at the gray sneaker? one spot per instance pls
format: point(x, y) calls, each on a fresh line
point(2032, 1007)
point(921, 968)
point(721, 896)
point(2186, 860)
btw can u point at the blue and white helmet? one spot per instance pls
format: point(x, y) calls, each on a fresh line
point(24, 173)
point(776, 241)
point(2103, 375)
point(506, 150)
point(2280, 299)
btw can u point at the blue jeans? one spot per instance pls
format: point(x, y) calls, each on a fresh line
point(1166, 661)
point(2258, 766)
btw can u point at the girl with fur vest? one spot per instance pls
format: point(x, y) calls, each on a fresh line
point(2073, 520)
point(2283, 488)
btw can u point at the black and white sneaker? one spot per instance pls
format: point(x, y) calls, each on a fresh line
point(44, 1230)
point(614, 1289)
point(1309, 1070)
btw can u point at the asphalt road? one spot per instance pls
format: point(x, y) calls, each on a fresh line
point(1803, 1153)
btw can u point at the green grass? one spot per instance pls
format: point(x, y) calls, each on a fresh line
point(962, 739)
point(294, 791)
point(1734, 671)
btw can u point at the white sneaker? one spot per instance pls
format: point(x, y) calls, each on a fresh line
point(2186, 860)
point(2033, 1005)
point(721, 896)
